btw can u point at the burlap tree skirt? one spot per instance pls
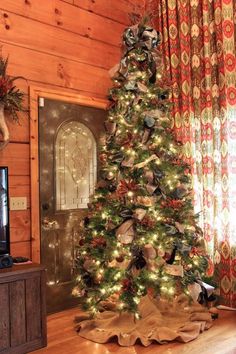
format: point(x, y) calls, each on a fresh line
point(161, 322)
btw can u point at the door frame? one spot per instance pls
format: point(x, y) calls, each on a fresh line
point(35, 92)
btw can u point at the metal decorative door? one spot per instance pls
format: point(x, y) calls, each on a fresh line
point(68, 139)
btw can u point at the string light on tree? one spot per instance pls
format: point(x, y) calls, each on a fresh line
point(140, 229)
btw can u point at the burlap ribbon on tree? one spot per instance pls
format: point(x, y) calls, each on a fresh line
point(161, 322)
point(133, 38)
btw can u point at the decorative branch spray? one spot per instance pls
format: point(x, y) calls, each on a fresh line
point(11, 100)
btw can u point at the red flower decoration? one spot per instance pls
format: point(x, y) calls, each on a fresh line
point(5, 86)
point(126, 186)
point(172, 203)
point(128, 141)
point(148, 222)
point(178, 161)
point(127, 285)
point(99, 241)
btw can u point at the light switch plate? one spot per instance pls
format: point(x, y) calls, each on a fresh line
point(18, 203)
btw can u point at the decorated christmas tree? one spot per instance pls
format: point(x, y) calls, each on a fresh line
point(141, 234)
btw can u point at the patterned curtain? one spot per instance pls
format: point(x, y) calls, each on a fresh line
point(199, 50)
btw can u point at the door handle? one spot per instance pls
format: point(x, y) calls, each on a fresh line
point(45, 206)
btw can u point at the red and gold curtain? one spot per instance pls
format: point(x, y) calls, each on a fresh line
point(199, 51)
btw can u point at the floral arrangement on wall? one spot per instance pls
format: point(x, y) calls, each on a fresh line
point(11, 100)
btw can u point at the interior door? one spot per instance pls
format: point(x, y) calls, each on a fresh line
point(68, 142)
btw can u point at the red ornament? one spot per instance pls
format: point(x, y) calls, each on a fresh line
point(81, 242)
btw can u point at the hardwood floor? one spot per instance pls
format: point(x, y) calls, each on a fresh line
point(62, 339)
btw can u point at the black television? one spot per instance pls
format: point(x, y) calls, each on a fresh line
point(4, 213)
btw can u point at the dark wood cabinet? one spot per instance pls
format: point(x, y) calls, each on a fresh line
point(22, 309)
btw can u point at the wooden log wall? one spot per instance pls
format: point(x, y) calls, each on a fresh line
point(69, 44)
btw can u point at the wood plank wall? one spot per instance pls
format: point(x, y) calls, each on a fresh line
point(67, 44)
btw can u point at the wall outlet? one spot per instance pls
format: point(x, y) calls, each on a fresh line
point(18, 203)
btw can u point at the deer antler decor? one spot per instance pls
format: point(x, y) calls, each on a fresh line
point(11, 100)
